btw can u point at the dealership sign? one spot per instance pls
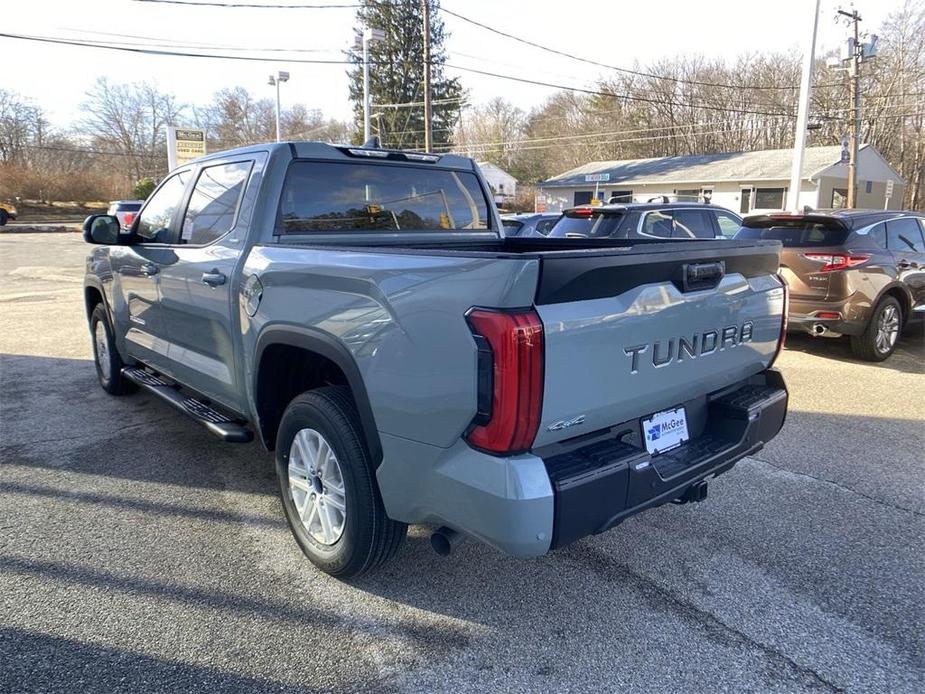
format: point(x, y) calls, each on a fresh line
point(184, 145)
point(597, 178)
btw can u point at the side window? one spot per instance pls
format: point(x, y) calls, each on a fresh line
point(693, 224)
point(878, 235)
point(213, 204)
point(728, 225)
point(657, 224)
point(905, 235)
point(544, 226)
point(154, 222)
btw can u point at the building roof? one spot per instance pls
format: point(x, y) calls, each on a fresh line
point(762, 165)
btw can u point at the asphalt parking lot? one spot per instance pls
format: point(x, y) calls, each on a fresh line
point(138, 554)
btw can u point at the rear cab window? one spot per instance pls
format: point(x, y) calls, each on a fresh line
point(357, 197)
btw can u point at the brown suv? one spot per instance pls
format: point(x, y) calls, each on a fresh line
point(850, 272)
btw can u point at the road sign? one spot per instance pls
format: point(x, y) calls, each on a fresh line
point(184, 145)
point(597, 178)
point(889, 194)
point(845, 154)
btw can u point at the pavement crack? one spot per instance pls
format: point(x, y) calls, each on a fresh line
point(843, 487)
point(60, 439)
point(662, 598)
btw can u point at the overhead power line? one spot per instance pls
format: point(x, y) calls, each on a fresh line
point(252, 5)
point(638, 73)
point(84, 150)
point(726, 131)
point(153, 51)
point(628, 97)
point(582, 136)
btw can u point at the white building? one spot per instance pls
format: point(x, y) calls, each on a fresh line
point(503, 185)
point(744, 182)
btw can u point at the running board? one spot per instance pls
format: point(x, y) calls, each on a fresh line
point(219, 424)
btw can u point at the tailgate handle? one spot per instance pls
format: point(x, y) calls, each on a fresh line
point(698, 276)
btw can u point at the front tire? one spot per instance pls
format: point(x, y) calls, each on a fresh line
point(878, 341)
point(3, 217)
point(108, 362)
point(328, 488)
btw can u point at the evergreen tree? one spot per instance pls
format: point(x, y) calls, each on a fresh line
point(396, 76)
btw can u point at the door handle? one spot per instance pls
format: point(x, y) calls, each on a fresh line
point(149, 269)
point(213, 279)
point(905, 264)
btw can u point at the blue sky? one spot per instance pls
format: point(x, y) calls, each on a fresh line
point(617, 33)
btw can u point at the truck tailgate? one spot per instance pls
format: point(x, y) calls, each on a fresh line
point(635, 333)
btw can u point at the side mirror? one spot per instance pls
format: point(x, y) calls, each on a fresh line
point(101, 229)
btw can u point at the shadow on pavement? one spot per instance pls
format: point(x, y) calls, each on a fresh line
point(909, 356)
point(35, 662)
point(54, 415)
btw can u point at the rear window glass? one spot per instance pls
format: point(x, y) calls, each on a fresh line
point(797, 233)
point(597, 224)
point(321, 197)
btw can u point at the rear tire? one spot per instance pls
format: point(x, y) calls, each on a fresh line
point(328, 488)
point(106, 357)
point(878, 341)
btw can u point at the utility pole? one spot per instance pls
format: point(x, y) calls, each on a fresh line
point(799, 140)
point(428, 140)
point(854, 77)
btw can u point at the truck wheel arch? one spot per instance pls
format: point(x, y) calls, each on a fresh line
point(311, 345)
point(94, 295)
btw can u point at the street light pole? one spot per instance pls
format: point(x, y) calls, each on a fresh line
point(281, 76)
point(428, 135)
point(799, 141)
point(369, 35)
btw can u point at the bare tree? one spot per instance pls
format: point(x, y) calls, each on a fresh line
point(130, 119)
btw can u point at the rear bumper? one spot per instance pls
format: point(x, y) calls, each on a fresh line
point(602, 484)
point(804, 316)
point(527, 504)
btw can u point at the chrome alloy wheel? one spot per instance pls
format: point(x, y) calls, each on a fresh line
point(317, 487)
point(102, 349)
point(887, 328)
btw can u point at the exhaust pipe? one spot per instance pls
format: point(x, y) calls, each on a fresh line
point(819, 329)
point(444, 540)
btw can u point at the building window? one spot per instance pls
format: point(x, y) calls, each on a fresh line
point(688, 195)
point(769, 198)
point(839, 198)
point(621, 196)
point(583, 197)
point(745, 205)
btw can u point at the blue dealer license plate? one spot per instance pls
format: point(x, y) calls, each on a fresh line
point(665, 430)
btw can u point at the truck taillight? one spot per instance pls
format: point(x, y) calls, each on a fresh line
point(129, 218)
point(783, 322)
point(837, 261)
point(510, 379)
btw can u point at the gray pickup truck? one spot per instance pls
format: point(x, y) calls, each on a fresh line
point(359, 311)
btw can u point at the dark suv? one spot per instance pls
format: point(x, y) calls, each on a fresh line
point(851, 272)
point(660, 220)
